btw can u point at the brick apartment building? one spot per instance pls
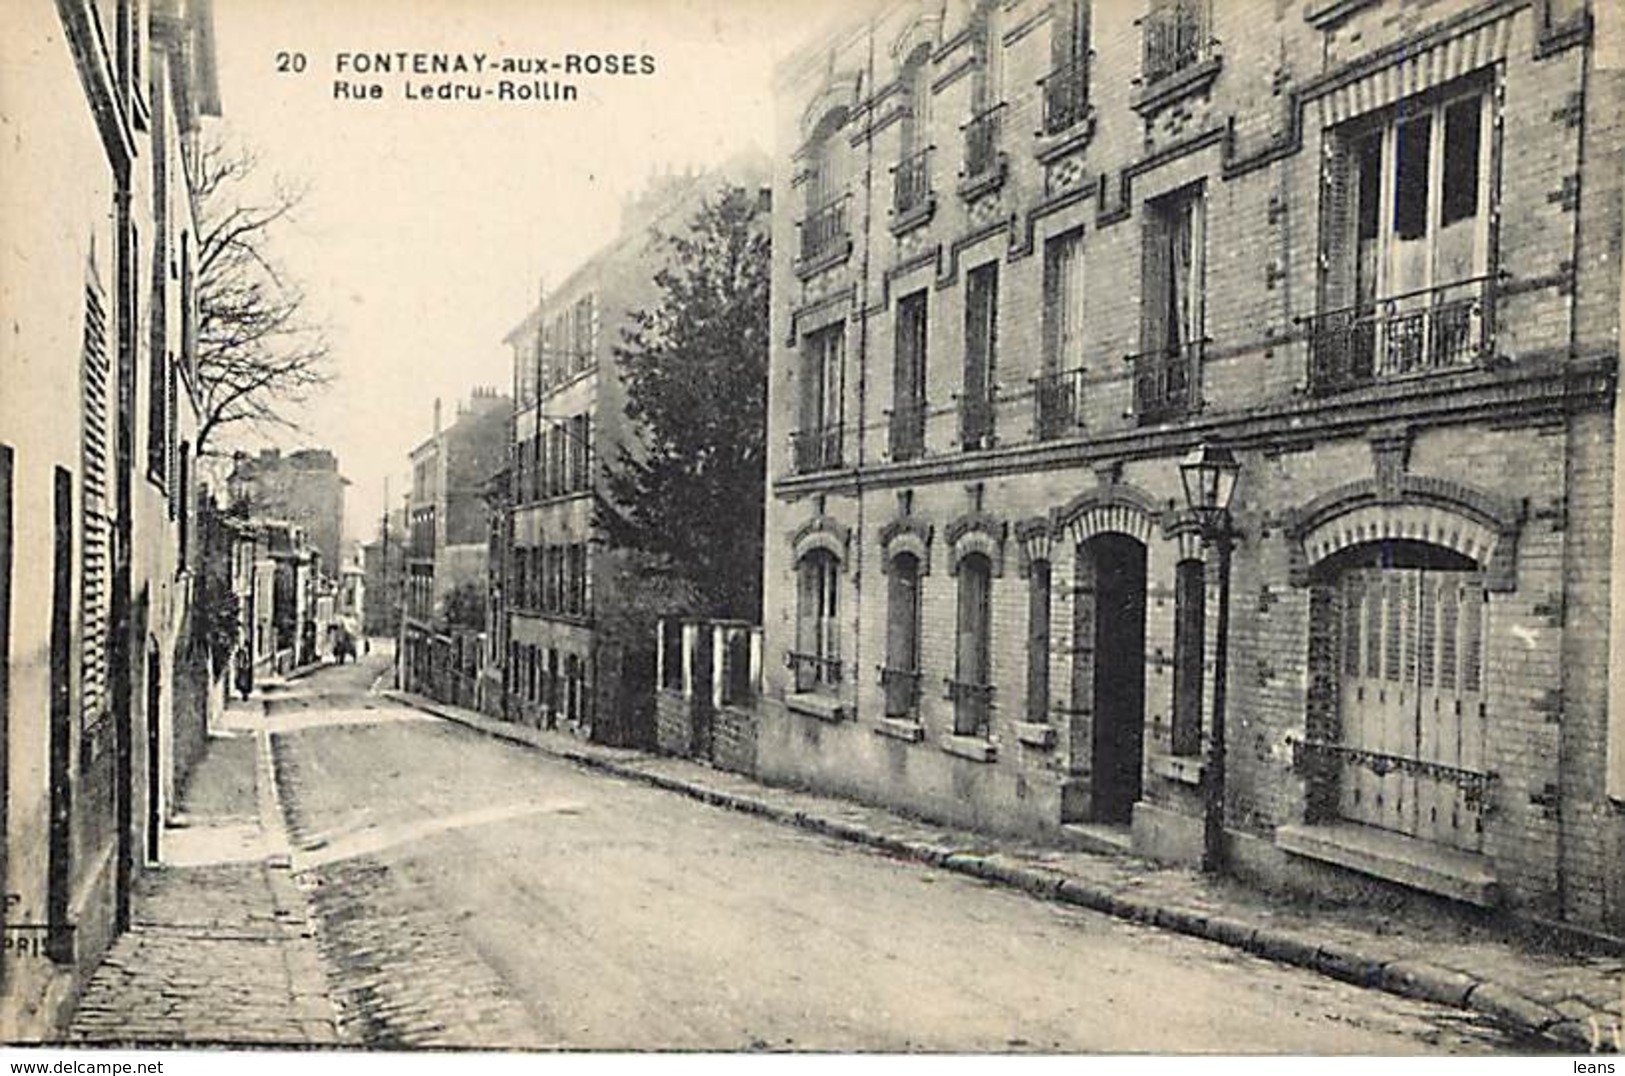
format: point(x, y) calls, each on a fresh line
point(303, 487)
point(1027, 255)
point(580, 631)
point(103, 696)
point(446, 551)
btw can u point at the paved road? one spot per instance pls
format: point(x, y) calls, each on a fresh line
point(471, 892)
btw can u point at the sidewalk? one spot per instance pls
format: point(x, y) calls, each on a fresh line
point(1570, 1002)
point(220, 949)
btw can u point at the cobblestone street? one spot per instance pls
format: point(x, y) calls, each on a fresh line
point(417, 883)
point(469, 892)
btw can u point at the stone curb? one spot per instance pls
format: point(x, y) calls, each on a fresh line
point(1505, 1007)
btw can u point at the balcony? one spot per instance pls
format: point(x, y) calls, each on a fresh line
point(912, 200)
point(1058, 404)
point(816, 449)
point(976, 421)
point(824, 239)
point(1180, 57)
point(813, 671)
point(1176, 39)
point(984, 163)
point(1412, 335)
point(1066, 96)
point(973, 708)
point(902, 690)
point(907, 431)
point(1166, 382)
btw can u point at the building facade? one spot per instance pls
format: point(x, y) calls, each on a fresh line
point(101, 704)
point(581, 613)
point(303, 487)
point(448, 539)
point(1028, 255)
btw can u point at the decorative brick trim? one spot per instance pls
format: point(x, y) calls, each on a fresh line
point(821, 532)
point(1325, 14)
point(976, 532)
point(1116, 509)
point(1175, 88)
point(819, 315)
point(906, 536)
point(1475, 523)
point(1034, 543)
point(1184, 530)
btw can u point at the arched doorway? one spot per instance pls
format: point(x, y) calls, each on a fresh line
point(1400, 729)
point(1108, 673)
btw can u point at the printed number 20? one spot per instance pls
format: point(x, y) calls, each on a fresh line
point(290, 61)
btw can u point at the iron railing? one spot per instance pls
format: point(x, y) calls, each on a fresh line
point(813, 671)
point(902, 691)
point(973, 707)
point(1166, 381)
point(911, 184)
point(1066, 96)
point(976, 420)
point(816, 449)
point(1176, 37)
point(982, 143)
point(907, 430)
point(1058, 404)
point(1422, 332)
point(823, 230)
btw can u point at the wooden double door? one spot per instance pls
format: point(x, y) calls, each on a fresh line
point(1412, 703)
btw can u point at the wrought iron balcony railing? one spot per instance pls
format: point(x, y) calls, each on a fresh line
point(1066, 96)
point(973, 707)
point(976, 420)
point(902, 691)
point(1166, 382)
point(816, 449)
point(911, 185)
point(824, 230)
point(813, 671)
point(1423, 332)
point(907, 430)
point(1177, 37)
point(1058, 404)
point(982, 156)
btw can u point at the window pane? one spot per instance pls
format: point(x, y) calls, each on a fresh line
point(1461, 145)
point(1411, 178)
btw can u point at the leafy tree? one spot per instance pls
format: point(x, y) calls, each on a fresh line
point(257, 351)
point(688, 494)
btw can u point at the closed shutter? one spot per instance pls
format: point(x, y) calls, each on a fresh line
point(96, 547)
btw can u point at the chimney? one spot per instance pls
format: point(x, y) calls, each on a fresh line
point(437, 416)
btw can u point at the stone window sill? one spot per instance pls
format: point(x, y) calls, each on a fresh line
point(1185, 769)
point(1035, 734)
point(810, 704)
point(973, 187)
point(1051, 147)
point(972, 747)
point(900, 728)
point(836, 255)
point(1176, 87)
point(916, 217)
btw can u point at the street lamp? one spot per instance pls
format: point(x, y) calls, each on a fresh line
point(1209, 477)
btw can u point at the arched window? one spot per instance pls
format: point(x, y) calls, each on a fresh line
point(817, 657)
point(971, 689)
point(824, 227)
point(901, 675)
point(912, 178)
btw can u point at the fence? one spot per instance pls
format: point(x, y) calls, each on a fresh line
point(705, 705)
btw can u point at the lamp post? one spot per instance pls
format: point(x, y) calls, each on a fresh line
point(1209, 477)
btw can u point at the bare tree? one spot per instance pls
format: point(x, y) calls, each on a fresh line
point(258, 353)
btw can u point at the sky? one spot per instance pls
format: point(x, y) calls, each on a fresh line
point(429, 226)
